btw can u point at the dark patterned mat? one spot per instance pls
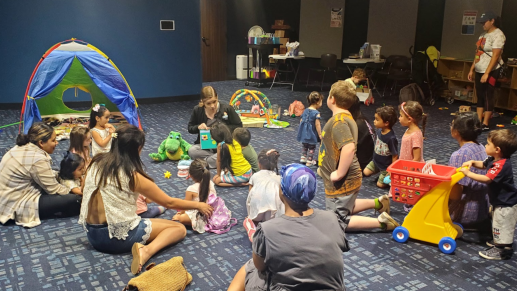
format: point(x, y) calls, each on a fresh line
point(57, 256)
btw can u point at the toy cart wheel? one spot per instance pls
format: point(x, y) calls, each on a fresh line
point(247, 83)
point(459, 229)
point(450, 100)
point(447, 245)
point(432, 101)
point(400, 234)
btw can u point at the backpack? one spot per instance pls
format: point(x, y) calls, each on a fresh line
point(221, 220)
point(296, 108)
point(411, 92)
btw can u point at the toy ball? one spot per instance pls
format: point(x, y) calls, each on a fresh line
point(387, 180)
point(293, 115)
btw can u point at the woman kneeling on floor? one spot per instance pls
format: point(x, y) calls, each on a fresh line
point(301, 250)
point(208, 113)
point(108, 212)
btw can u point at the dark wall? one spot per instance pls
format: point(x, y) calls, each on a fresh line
point(243, 14)
point(509, 17)
point(355, 26)
point(155, 63)
point(429, 24)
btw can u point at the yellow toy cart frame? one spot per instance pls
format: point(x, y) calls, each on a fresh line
point(429, 219)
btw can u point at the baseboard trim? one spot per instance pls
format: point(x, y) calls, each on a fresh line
point(8, 106)
point(152, 100)
point(158, 100)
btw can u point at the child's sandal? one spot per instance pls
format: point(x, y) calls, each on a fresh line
point(249, 226)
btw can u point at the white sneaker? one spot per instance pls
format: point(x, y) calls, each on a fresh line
point(388, 221)
point(311, 163)
point(385, 204)
point(303, 160)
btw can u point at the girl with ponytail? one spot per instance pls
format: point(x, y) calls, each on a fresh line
point(232, 168)
point(199, 191)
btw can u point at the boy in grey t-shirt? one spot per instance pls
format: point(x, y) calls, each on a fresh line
point(300, 250)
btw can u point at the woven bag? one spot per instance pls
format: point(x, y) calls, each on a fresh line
point(168, 276)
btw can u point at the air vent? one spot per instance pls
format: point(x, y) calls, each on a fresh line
point(167, 25)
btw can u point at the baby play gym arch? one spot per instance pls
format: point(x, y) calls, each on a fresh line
point(261, 109)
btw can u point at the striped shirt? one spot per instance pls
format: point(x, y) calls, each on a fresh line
point(25, 172)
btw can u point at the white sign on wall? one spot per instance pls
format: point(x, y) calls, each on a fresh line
point(468, 25)
point(336, 17)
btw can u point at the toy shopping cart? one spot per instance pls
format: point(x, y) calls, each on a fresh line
point(427, 186)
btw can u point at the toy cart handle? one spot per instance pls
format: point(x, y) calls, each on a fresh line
point(457, 177)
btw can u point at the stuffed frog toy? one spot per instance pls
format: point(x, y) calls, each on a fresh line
point(172, 148)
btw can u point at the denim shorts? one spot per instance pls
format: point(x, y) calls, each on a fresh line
point(99, 238)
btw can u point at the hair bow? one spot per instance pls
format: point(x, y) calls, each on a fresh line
point(96, 108)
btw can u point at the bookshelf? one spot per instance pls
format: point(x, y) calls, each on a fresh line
point(455, 72)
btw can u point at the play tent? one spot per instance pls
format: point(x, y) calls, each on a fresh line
point(79, 65)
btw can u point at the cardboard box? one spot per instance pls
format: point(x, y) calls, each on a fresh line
point(284, 40)
point(363, 94)
point(280, 33)
point(206, 140)
point(283, 50)
point(465, 108)
point(279, 22)
point(455, 74)
point(280, 27)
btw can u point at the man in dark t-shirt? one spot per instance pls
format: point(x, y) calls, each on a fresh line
point(503, 194)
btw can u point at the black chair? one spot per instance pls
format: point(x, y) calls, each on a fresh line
point(399, 70)
point(327, 64)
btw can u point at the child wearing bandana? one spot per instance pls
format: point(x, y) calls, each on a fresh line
point(277, 244)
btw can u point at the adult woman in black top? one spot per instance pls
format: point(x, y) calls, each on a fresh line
point(365, 135)
point(209, 112)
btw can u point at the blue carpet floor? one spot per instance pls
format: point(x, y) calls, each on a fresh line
point(57, 256)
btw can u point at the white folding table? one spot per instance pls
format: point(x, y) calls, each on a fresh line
point(356, 63)
point(292, 70)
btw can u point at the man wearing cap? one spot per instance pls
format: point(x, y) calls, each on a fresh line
point(484, 70)
point(300, 250)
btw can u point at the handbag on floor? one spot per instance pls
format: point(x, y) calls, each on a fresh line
point(167, 276)
point(221, 220)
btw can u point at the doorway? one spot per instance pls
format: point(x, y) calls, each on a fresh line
point(213, 40)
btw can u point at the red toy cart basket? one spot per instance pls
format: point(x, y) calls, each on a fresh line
point(409, 184)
